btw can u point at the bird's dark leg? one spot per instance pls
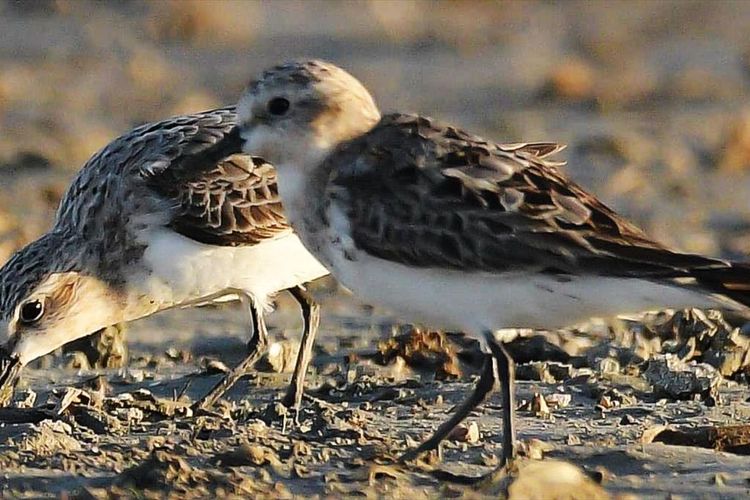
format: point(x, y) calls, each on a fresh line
point(484, 386)
point(507, 376)
point(257, 346)
point(311, 318)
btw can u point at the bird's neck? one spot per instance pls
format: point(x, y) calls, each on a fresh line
point(302, 190)
point(296, 188)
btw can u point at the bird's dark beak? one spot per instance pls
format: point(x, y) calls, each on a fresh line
point(10, 372)
point(230, 144)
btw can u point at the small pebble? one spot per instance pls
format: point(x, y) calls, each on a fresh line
point(573, 440)
point(628, 420)
point(539, 406)
point(558, 400)
point(464, 433)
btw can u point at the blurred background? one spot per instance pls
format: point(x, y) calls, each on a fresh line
point(651, 97)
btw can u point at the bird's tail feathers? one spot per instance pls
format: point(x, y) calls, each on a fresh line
point(732, 281)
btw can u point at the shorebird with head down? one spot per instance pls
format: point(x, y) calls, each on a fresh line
point(458, 231)
point(159, 218)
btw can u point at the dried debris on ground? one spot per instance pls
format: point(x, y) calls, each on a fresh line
point(141, 434)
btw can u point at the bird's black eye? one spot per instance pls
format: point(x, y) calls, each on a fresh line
point(31, 312)
point(278, 106)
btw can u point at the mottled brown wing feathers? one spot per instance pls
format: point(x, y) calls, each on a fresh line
point(189, 168)
point(219, 199)
point(234, 203)
point(426, 194)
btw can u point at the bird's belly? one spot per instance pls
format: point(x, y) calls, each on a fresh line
point(181, 270)
point(478, 301)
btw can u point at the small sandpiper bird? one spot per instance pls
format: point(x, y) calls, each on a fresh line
point(159, 218)
point(455, 230)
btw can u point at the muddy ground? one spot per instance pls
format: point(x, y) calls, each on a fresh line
point(652, 99)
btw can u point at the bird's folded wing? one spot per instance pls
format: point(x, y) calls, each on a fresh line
point(223, 197)
point(425, 194)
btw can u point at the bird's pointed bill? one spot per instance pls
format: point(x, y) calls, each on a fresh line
point(10, 372)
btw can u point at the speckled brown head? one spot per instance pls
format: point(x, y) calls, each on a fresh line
point(47, 299)
point(298, 111)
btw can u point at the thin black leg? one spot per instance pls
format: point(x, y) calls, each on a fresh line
point(311, 317)
point(484, 386)
point(257, 346)
point(506, 373)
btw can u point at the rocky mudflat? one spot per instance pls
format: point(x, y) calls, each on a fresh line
point(652, 100)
